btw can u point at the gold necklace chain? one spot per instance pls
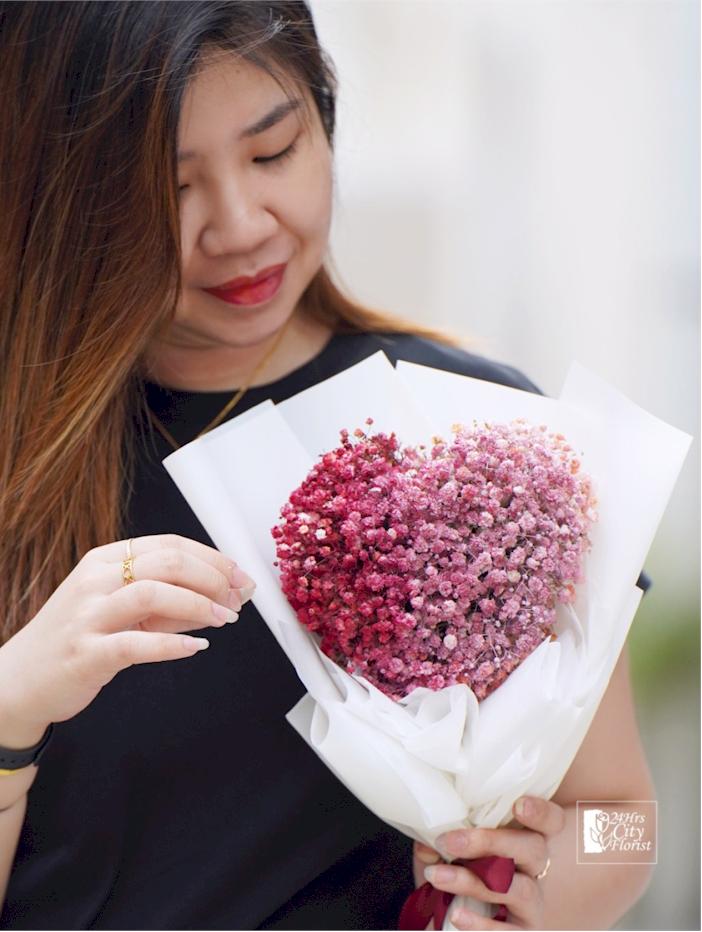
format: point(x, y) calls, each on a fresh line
point(238, 395)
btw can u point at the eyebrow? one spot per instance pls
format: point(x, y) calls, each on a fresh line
point(274, 116)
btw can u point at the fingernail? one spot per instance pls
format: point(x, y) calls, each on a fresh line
point(190, 643)
point(234, 600)
point(443, 850)
point(222, 613)
point(246, 592)
point(451, 844)
point(523, 807)
point(461, 918)
point(440, 873)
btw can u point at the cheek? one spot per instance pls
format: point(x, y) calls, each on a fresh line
point(187, 240)
point(312, 194)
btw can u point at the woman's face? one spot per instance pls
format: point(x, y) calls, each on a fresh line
point(255, 192)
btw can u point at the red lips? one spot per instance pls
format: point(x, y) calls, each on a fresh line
point(250, 290)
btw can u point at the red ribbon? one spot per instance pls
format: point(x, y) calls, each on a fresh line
point(429, 903)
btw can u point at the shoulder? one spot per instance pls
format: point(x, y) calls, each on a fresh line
point(425, 352)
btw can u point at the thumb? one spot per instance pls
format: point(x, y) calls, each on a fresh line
point(423, 855)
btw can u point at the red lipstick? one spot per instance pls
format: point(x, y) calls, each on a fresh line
point(250, 290)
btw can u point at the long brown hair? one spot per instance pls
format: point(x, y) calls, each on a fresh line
point(88, 196)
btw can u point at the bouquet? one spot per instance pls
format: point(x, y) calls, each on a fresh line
point(394, 708)
point(429, 570)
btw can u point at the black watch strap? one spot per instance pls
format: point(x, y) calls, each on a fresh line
point(16, 759)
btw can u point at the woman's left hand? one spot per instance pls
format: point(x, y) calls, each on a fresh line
point(527, 846)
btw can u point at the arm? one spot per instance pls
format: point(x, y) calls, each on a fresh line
point(10, 827)
point(609, 765)
point(13, 795)
point(54, 666)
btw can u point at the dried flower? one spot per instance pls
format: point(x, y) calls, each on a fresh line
point(439, 565)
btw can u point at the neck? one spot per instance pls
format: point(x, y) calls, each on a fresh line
point(215, 366)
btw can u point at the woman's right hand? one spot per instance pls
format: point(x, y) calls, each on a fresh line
point(94, 625)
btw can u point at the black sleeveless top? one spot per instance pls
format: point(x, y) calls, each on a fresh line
point(181, 798)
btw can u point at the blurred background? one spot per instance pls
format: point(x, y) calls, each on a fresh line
point(526, 174)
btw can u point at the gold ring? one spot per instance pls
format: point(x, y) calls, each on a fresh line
point(128, 564)
point(545, 870)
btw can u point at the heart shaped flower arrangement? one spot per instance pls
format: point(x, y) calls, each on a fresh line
point(430, 568)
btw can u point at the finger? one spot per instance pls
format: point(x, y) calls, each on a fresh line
point(116, 551)
point(115, 652)
point(522, 898)
point(139, 602)
point(425, 854)
point(166, 625)
point(463, 918)
point(181, 568)
point(542, 815)
point(528, 849)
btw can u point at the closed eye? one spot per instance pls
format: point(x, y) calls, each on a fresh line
point(279, 156)
point(265, 159)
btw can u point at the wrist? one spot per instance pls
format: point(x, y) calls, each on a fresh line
point(18, 731)
point(20, 727)
point(16, 781)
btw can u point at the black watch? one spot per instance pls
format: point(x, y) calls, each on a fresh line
point(14, 759)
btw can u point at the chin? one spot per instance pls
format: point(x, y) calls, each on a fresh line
point(241, 327)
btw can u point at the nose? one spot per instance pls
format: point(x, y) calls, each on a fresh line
point(239, 220)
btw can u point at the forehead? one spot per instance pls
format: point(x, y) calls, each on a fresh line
point(226, 88)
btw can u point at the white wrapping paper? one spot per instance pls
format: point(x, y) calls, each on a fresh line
point(440, 760)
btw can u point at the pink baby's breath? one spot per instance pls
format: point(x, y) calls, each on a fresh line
point(421, 567)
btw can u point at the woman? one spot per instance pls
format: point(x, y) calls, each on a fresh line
point(166, 201)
